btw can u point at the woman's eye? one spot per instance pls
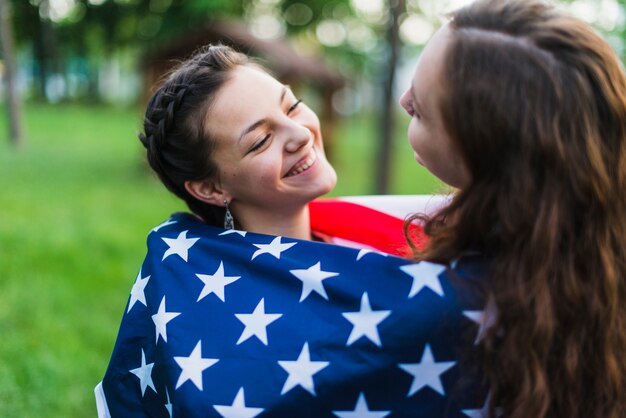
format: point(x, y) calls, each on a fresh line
point(294, 106)
point(259, 144)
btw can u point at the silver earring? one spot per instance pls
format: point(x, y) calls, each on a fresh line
point(229, 223)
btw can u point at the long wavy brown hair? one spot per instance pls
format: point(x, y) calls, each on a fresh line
point(535, 102)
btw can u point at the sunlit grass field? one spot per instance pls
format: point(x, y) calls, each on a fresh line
point(76, 203)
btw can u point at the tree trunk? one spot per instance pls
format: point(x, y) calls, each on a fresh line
point(6, 45)
point(396, 7)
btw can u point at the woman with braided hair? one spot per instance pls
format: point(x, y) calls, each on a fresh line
point(234, 143)
point(238, 310)
point(523, 109)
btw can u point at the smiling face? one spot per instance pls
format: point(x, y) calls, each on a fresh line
point(268, 146)
point(427, 134)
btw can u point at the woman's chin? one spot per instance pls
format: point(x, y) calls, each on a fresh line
point(418, 159)
point(332, 180)
point(328, 179)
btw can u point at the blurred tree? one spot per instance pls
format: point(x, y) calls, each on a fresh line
point(95, 29)
point(6, 47)
point(41, 31)
point(396, 9)
point(305, 19)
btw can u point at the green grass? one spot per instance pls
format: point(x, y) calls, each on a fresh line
point(76, 203)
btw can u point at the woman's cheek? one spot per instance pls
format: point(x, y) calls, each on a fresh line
point(268, 169)
point(412, 134)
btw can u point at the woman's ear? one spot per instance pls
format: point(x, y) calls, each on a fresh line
point(206, 191)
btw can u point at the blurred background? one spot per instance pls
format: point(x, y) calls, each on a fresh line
point(76, 197)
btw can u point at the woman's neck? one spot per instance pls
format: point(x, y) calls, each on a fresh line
point(294, 224)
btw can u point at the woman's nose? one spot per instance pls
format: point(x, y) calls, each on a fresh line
point(403, 99)
point(296, 136)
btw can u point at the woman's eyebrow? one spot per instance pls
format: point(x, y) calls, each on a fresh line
point(260, 122)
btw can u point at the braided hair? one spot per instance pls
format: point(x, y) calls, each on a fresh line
point(177, 141)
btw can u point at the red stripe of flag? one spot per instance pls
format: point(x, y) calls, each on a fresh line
point(363, 225)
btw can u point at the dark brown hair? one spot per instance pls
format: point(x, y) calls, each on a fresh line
point(176, 138)
point(535, 102)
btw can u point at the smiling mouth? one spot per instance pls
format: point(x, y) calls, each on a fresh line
point(304, 164)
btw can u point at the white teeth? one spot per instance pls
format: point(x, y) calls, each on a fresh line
point(303, 166)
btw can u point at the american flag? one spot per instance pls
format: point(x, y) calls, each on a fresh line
point(237, 324)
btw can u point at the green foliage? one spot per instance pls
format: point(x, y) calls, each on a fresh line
point(77, 204)
point(320, 9)
point(119, 23)
point(95, 31)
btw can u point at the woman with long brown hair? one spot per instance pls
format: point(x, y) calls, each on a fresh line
point(523, 109)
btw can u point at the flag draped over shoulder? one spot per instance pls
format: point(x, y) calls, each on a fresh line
point(353, 223)
point(234, 324)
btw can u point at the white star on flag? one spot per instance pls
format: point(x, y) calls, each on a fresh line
point(144, 373)
point(274, 248)
point(161, 318)
point(256, 323)
point(137, 293)
point(180, 245)
point(215, 283)
point(168, 405)
point(426, 372)
point(484, 322)
point(361, 410)
point(238, 409)
point(311, 279)
point(164, 224)
point(193, 366)
point(482, 413)
point(477, 413)
point(301, 371)
point(362, 253)
point(233, 231)
point(365, 322)
point(485, 319)
point(424, 274)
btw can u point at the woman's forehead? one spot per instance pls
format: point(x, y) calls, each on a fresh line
point(432, 58)
point(252, 82)
point(247, 89)
point(248, 96)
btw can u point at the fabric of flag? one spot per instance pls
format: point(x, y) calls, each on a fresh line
point(363, 225)
point(235, 324)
